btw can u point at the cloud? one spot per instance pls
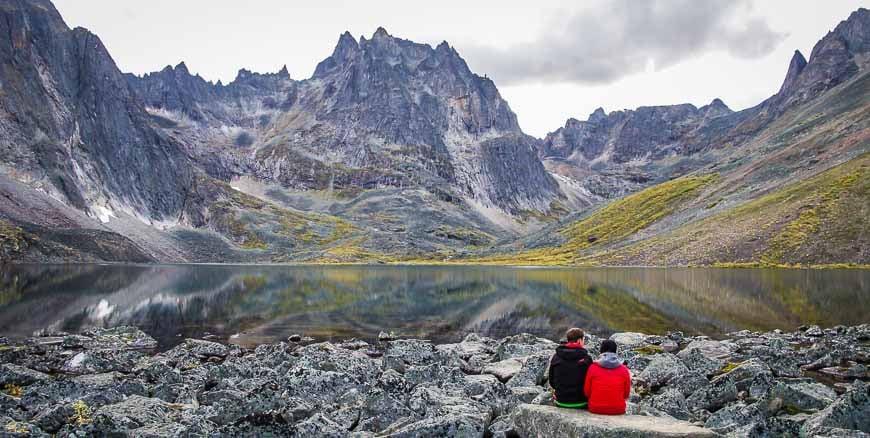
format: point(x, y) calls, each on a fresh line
point(620, 37)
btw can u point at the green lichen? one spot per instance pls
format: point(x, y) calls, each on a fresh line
point(649, 349)
point(81, 414)
point(13, 390)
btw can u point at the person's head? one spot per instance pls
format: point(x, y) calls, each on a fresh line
point(574, 335)
point(608, 346)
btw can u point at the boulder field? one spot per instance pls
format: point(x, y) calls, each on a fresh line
point(115, 382)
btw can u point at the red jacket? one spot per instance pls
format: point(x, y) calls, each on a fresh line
point(607, 389)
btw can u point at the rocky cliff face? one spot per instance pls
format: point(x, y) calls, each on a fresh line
point(71, 126)
point(379, 112)
point(646, 133)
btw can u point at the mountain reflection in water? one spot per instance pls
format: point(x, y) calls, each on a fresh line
point(256, 304)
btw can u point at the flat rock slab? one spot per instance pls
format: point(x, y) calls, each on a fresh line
point(550, 421)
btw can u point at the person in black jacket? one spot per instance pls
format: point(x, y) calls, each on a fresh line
point(568, 371)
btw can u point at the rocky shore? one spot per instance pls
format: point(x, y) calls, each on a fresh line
point(113, 382)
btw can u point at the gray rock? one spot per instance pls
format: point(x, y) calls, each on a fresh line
point(17, 375)
point(102, 361)
point(504, 369)
point(670, 401)
point(319, 425)
point(713, 397)
point(451, 424)
point(523, 345)
point(526, 394)
point(628, 340)
point(404, 352)
point(848, 412)
point(695, 360)
point(501, 427)
point(662, 369)
point(533, 372)
point(720, 350)
point(735, 416)
point(136, 411)
point(801, 396)
point(541, 421)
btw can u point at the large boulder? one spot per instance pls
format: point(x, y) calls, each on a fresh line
point(849, 412)
point(504, 370)
point(626, 341)
point(721, 350)
point(696, 361)
point(714, 396)
point(801, 396)
point(522, 345)
point(533, 372)
point(549, 421)
point(406, 352)
point(661, 369)
point(17, 375)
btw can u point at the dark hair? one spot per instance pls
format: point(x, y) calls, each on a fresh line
point(608, 346)
point(574, 335)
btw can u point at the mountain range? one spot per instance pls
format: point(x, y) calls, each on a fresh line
point(396, 151)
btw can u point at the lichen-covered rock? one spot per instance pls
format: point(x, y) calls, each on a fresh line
point(735, 416)
point(102, 361)
point(670, 401)
point(626, 341)
point(319, 425)
point(504, 370)
point(661, 369)
point(719, 350)
point(695, 360)
point(502, 427)
point(533, 372)
point(404, 352)
point(11, 374)
point(523, 345)
point(714, 396)
point(801, 396)
point(548, 421)
point(850, 411)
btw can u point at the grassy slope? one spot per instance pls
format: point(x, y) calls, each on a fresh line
point(821, 220)
point(612, 224)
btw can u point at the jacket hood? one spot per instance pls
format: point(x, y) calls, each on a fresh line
point(571, 353)
point(609, 360)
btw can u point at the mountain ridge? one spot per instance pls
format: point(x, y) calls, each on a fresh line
point(392, 150)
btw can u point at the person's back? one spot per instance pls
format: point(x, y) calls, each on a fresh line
point(608, 382)
point(568, 371)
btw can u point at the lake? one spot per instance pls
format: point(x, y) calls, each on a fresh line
point(250, 305)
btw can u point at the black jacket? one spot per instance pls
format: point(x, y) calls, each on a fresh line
point(568, 373)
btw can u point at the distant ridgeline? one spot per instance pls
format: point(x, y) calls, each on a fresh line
point(394, 151)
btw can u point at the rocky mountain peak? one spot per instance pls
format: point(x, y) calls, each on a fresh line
point(715, 108)
point(795, 67)
point(597, 116)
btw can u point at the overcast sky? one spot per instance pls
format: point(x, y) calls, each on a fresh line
point(553, 61)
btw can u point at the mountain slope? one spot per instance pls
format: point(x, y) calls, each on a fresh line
point(396, 151)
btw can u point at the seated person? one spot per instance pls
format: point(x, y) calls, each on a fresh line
point(568, 371)
point(608, 382)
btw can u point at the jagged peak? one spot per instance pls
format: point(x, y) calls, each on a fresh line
point(598, 115)
point(181, 66)
point(795, 68)
point(284, 71)
point(346, 38)
point(381, 33)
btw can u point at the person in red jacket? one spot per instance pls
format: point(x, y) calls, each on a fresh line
point(608, 382)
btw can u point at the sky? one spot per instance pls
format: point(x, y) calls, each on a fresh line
point(550, 61)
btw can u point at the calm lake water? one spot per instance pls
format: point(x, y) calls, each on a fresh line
point(249, 305)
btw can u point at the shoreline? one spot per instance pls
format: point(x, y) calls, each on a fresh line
point(435, 263)
point(113, 381)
